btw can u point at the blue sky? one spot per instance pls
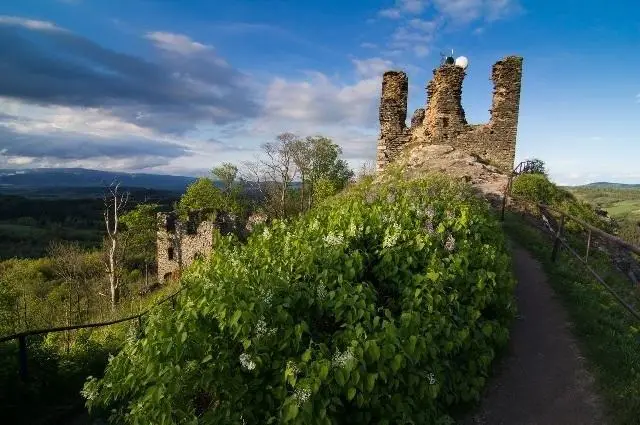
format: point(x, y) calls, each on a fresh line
point(180, 86)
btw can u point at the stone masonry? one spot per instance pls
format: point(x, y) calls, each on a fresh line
point(180, 243)
point(443, 121)
point(393, 114)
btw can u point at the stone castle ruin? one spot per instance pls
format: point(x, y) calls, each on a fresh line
point(443, 121)
point(180, 243)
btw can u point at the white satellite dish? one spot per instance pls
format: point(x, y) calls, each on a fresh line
point(462, 62)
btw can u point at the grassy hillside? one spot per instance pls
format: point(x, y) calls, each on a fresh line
point(622, 203)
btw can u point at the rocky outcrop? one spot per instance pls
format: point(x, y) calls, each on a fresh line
point(418, 159)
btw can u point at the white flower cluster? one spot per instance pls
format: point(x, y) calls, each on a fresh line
point(342, 359)
point(430, 212)
point(353, 229)
point(262, 329)
point(302, 395)
point(450, 244)
point(267, 297)
point(428, 225)
point(89, 390)
point(391, 198)
point(370, 197)
point(333, 240)
point(391, 236)
point(322, 292)
point(293, 368)
point(266, 234)
point(246, 362)
point(431, 378)
point(132, 333)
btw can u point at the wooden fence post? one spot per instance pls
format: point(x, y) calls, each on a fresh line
point(556, 242)
point(22, 357)
point(586, 254)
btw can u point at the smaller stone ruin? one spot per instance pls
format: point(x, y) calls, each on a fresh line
point(180, 243)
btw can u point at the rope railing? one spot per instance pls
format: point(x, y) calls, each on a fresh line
point(559, 239)
point(22, 336)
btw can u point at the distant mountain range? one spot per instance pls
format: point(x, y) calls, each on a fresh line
point(78, 178)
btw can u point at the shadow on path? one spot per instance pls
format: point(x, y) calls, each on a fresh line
point(542, 379)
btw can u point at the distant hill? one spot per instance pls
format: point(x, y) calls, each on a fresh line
point(608, 185)
point(77, 178)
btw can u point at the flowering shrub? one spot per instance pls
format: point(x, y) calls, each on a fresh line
point(383, 305)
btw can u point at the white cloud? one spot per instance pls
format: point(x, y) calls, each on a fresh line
point(465, 11)
point(372, 67)
point(176, 43)
point(318, 100)
point(390, 13)
point(424, 25)
point(403, 7)
point(416, 35)
point(31, 24)
point(413, 6)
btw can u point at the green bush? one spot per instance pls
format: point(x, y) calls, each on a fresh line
point(536, 188)
point(384, 304)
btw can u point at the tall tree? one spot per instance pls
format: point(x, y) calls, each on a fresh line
point(201, 195)
point(302, 154)
point(227, 174)
point(141, 229)
point(114, 205)
point(327, 164)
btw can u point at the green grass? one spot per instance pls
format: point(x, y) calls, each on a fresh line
point(621, 204)
point(625, 210)
point(609, 336)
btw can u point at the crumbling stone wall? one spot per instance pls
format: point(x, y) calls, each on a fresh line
point(393, 114)
point(180, 243)
point(443, 120)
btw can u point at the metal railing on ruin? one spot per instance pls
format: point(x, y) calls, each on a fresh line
point(22, 336)
point(559, 235)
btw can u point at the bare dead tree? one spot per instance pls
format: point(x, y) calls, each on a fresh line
point(279, 165)
point(114, 204)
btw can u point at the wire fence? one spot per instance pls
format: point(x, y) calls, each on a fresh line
point(22, 336)
point(554, 222)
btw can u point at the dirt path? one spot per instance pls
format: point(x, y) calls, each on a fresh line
point(542, 379)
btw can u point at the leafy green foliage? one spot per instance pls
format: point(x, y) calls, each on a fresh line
point(226, 173)
point(205, 196)
point(323, 188)
point(536, 166)
point(385, 304)
point(326, 162)
point(201, 195)
point(141, 231)
point(537, 188)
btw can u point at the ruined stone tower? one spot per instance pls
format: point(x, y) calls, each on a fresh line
point(444, 123)
point(180, 243)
